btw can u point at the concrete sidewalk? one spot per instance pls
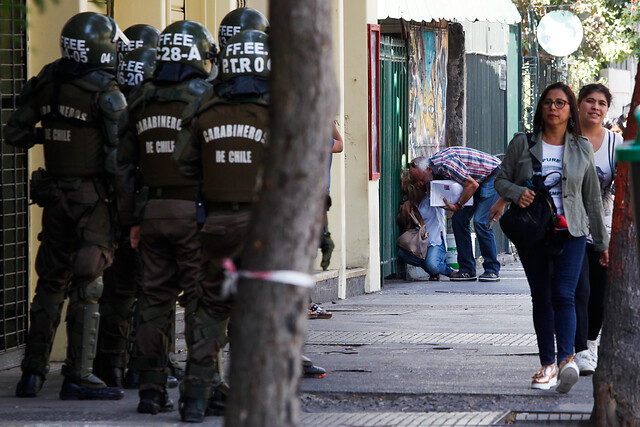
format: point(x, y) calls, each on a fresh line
point(416, 353)
point(464, 352)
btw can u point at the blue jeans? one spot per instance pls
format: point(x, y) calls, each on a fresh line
point(553, 280)
point(433, 262)
point(484, 198)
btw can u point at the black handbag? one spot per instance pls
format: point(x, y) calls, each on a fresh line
point(535, 223)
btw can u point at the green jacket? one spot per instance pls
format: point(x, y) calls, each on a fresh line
point(580, 186)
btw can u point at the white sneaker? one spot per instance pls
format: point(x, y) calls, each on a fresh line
point(568, 375)
point(593, 348)
point(586, 362)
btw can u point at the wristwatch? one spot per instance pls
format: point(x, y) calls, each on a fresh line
point(459, 205)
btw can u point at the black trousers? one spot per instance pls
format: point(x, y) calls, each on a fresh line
point(590, 298)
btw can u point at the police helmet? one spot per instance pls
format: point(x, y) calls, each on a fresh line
point(240, 19)
point(187, 42)
point(139, 35)
point(90, 38)
point(136, 67)
point(246, 54)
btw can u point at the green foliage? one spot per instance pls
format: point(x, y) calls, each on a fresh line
point(610, 31)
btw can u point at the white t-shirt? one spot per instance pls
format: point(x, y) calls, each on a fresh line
point(605, 161)
point(552, 164)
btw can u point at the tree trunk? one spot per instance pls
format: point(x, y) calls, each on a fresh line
point(616, 383)
point(269, 320)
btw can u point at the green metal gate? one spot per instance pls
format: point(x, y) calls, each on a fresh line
point(394, 125)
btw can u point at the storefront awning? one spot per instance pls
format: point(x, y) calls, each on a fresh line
point(503, 11)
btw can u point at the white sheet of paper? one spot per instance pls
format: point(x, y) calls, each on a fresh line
point(441, 188)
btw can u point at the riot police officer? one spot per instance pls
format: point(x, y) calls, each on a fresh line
point(78, 103)
point(240, 19)
point(223, 142)
point(136, 62)
point(139, 35)
point(167, 231)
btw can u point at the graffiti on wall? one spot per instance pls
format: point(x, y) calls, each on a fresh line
point(427, 91)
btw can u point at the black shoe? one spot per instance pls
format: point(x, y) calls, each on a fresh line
point(154, 401)
point(313, 371)
point(74, 391)
point(131, 379)
point(112, 377)
point(192, 410)
point(489, 277)
point(172, 382)
point(29, 385)
point(459, 276)
point(434, 278)
point(217, 404)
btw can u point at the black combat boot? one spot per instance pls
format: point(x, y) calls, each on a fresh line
point(217, 404)
point(192, 410)
point(29, 385)
point(76, 391)
point(154, 401)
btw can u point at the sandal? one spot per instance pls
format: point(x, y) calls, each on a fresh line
point(317, 312)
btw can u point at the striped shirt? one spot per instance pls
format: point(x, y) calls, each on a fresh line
point(460, 163)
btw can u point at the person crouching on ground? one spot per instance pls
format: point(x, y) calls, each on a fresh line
point(418, 192)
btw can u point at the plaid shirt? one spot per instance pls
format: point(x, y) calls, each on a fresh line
point(460, 163)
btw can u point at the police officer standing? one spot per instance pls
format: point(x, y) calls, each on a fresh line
point(223, 142)
point(136, 62)
point(78, 103)
point(167, 232)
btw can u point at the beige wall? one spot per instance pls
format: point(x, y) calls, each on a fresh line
point(361, 195)
point(150, 12)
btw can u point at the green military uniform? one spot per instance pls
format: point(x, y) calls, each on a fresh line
point(136, 62)
point(222, 142)
point(170, 247)
point(78, 104)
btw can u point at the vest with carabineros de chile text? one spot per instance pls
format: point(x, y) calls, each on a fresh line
point(74, 144)
point(157, 118)
point(232, 138)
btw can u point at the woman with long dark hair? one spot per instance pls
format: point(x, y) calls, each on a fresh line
point(553, 270)
point(594, 101)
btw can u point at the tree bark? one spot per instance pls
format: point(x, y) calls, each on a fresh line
point(616, 382)
point(269, 320)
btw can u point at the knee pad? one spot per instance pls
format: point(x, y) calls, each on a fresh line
point(200, 325)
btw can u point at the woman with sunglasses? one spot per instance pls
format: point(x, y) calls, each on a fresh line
point(594, 101)
point(567, 162)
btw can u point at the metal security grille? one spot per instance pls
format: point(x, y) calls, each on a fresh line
point(394, 126)
point(14, 263)
point(529, 91)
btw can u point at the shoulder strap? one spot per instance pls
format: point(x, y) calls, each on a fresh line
point(415, 220)
point(612, 147)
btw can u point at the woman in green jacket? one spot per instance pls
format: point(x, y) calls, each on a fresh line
point(576, 193)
